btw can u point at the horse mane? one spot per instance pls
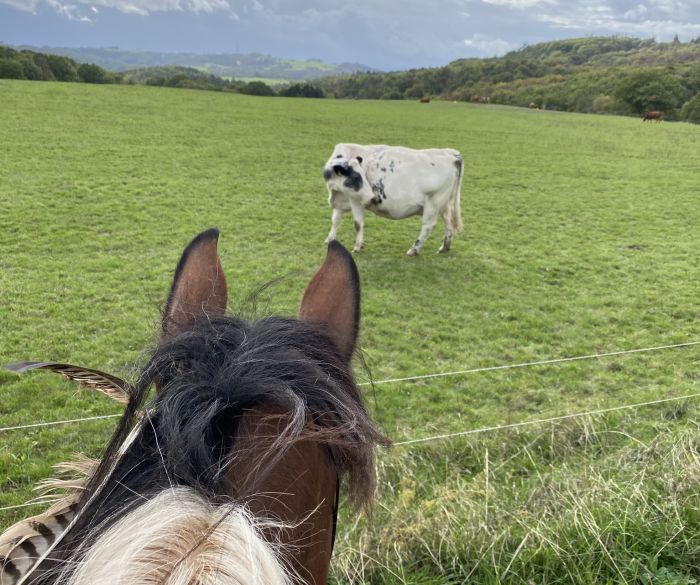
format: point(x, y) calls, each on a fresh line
point(182, 539)
point(208, 377)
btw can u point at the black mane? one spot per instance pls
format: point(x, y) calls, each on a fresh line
point(207, 377)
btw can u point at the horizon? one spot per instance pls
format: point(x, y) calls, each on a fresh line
point(379, 34)
point(48, 48)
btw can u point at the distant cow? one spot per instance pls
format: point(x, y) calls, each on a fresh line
point(532, 105)
point(655, 115)
point(425, 100)
point(395, 182)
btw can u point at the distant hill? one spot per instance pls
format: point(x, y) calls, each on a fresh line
point(221, 64)
point(611, 75)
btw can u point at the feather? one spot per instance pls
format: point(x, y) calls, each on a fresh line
point(116, 388)
point(25, 542)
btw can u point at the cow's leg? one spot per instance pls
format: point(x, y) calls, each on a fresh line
point(358, 216)
point(336, 216)
point(430, 215)
point(447, 241)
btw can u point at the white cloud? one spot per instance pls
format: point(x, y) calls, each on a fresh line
point(658, 18)
point(69, 11)
point(520, 3)
point(636, 13)
point(671, 7)
point(488, 45)
point(74, 11)
point(23, 5)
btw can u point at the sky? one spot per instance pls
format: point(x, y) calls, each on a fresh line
point(384, 34)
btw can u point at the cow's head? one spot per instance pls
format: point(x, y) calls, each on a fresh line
point(341, 173)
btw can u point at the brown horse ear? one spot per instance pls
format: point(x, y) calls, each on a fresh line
point(332, 298)
point(199, 286)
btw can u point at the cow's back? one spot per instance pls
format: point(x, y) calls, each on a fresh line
point(425, 171)
point(348, 150)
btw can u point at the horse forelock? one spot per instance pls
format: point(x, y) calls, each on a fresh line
point(224, 367)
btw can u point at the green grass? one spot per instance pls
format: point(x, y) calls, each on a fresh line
point(581, 236)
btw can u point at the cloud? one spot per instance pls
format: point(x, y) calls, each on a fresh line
point(76, 11)
point(636, 13)
point(23, 5)
point(658, 18)
point(488, 45)
point(520, 3)
point(380, 33)
point(68, 11)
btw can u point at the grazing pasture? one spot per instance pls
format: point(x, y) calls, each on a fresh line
point(581, 236)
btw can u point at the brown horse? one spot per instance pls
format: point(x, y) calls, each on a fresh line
point(230, 474)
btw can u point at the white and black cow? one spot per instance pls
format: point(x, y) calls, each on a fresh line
point(395, 182)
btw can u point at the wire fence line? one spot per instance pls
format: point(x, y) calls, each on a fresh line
point(58, 422)
point(546, 420)
point(424, 377)
point(460, 433)
point(486, 429)
point(534, 363)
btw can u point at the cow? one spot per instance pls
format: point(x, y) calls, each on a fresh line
point(395, 182)
point(425, 100)
point(655, 115)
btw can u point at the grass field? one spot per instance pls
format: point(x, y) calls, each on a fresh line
point(581, 236)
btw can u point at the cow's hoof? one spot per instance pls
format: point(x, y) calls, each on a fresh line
point(412, 252)
point(442, 250)
point(357, 250)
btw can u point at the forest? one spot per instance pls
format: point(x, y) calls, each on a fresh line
point(600, 75)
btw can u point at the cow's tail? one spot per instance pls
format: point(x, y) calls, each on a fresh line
point(454, 210)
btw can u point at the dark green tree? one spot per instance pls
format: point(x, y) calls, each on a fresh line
point(30, 68)
point(11, 69)
point(650, 89)
point(89, 73)
point(307, 90)
point(257, 88)
point(62, 68)
point(691, 110)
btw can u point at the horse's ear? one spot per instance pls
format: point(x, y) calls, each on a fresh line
point(332, 298)
point(199, 286)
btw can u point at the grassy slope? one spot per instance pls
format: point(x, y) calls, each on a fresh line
point(580, 236)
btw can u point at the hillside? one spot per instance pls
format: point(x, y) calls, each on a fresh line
point(620, 75)
point(222, 64)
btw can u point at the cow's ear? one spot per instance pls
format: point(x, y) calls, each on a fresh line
point(359, 159)
point(199, 286)
point(332, 299)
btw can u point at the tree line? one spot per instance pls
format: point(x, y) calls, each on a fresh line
point(36, 66)
point(603, 75)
